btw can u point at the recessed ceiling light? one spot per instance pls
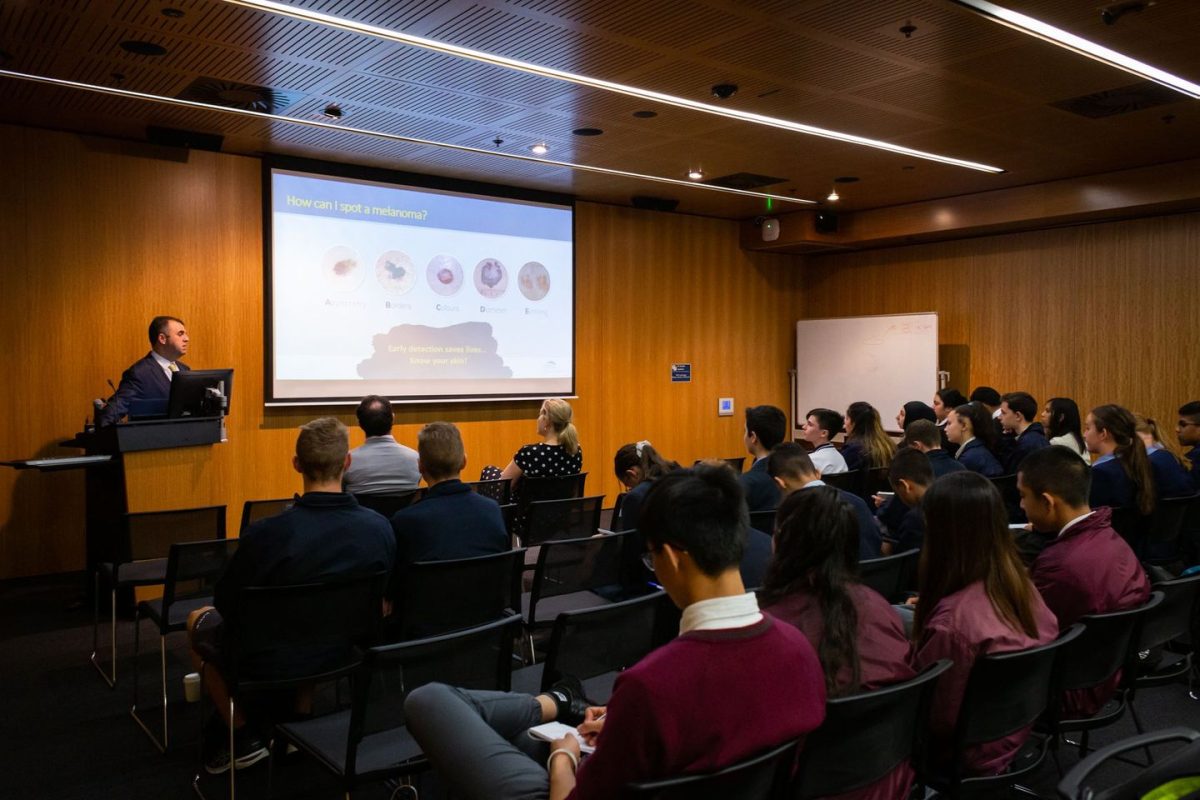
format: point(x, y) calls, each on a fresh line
point(695, 174)
point(1077, 44)
point(587, 131)
point(339, 23)
point(833, 196)
point(141, 48)
point(539, 149)
point(645, 114)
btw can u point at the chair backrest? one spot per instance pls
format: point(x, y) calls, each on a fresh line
point(562, 519)
point(616, 524)
point(313, 628)
point(254, 510)
point(193, 569)
point(890, 575)
point(562, 487)
point(1108, 644)
point(499, 489)
point(476, 658)
point(1166, 523)
point(1007, 692)
point(150, 534)
point(758, 778)
point(846, 481)
point(388, 503)
point(763, 521)
point(1093, 777)
point(1173, 617)
point(865, 736)
point(439, 596)
point(874, 481)
point(609, 638)
point(576, 565)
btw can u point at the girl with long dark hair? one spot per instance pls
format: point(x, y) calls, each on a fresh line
point(637, 465)
point(1060, 418)
point(1121, 474)
point(970, 427)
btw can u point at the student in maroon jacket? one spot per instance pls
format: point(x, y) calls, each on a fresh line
point(975, 599)
point(812, 583)
point(1088, 568)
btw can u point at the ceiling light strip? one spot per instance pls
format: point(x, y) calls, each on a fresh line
point(597, 83)
point(331, 126)
point(1079, 45)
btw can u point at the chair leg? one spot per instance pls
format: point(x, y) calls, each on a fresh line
point(200, 759)
point(232, 754)
point(162, 743)
point(110, 679)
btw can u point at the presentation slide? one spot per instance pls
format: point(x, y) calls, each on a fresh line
point(416, 294)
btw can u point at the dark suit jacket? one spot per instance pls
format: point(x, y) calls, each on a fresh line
point(450, 522)
point(756, 555)
point(762, 493)
point(1032, 439)
point(144, 380)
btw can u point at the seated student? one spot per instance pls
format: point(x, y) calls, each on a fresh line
point(975, 599)
point(813, 584)
point(1087, 568)
point(1167, 461)
point(820, 426)
point(1121, 474)
point(765, 428)
point(733, 684)
point(970, 428)
point(1061, 420)
point(326, 535)
point(451, 521)
point(1188, 430)
point(867, 445)
point(637, 466)
point(945, 401)
point(923, 436)
point(910, 475)
point(1017, 410)
point(989, 398)
point(914, 411)
point(792, 470)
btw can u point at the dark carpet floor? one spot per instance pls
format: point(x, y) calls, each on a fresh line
point(65, 734)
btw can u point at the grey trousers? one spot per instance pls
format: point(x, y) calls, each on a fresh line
point(478, 742)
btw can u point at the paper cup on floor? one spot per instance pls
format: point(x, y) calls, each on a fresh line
point(191, 687)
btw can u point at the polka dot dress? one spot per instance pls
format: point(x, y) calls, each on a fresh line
point(548, 461)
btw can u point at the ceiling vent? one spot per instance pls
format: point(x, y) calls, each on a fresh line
point(1123, 100)
point(744, 180)
point(245, 96)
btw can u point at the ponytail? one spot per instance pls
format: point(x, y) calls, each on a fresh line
point(568, 437)
point(558, 413)
point(1120, 424)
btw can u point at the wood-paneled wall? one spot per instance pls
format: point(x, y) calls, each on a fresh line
point(1100, 313)
point(99, 236)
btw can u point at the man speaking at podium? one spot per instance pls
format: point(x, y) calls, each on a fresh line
point(148, 380)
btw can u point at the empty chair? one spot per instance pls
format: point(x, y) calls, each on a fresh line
point(873, 482)
point(192, 571)
point(763, 521)
point(389, 503)
point(890, 575)
point(1169, 621)
point(846, 481)
point(568, 576)
point(561, 487)
point(562, 519)
point(499, 490)
point(865, 737)
point(370, 742)
point(434, 597)
point(254, 510)
point(1155, 538)
point(144, 544)
point(1090, 778)
point(762, 777)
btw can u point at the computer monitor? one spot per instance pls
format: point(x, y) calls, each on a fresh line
point(191, 396)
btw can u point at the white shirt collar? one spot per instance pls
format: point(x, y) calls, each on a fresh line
point(164, 363)
point(817, 482)
point(737, 611)
point(1080, 518)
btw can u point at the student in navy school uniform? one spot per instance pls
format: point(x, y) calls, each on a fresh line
point(925, 437)
point(913, 411)
point(1121, 474)
point(970, 427)
point(820, 426)
point(1167, 461)
point(1017, 412)
point(867, 445)
point(910, 475)
point(765, 428)
point(637, 466)
point(1188, 430)
point(944, 402)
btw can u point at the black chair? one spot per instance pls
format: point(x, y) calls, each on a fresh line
point(763, 521)
point(1184, 762)
point(1006, 693)
point(737, 463)
point(865, 736)
point(1167, 622)
point(562, 519)
point(762, 777)
point(1107, 646)
point(192, 571)
point(1007, 486)
point(434, 597)
point(145, 542)
point(294, 625)
point(1156, 537)
point(563, 487)
point(569, 576)
point(890, 575)
point(616, 525)
point(874, 481)
point(388, 503)
point(369, 741)
point(846, 481)
point(595, 644)
point(254, 510)
point(499, 490)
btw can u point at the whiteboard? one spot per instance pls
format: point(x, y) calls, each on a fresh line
point(886, 360)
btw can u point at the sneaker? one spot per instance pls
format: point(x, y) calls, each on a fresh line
point(568, 698)
point(248, 750)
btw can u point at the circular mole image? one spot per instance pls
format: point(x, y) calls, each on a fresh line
point(395, 272)
point(341, 269)
point(444, 274)
point(491, 278)
point(534, 281)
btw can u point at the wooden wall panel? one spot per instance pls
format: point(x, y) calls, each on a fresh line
point(99, 236)
point(1101, 313)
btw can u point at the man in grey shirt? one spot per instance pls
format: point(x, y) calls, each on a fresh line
point(381, 465)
